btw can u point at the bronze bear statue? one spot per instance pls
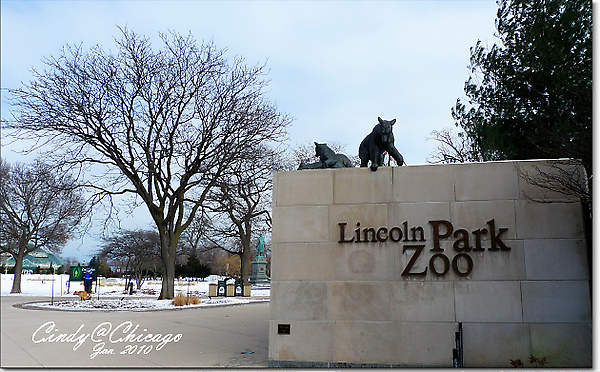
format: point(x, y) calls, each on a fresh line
point(327, 159)
point(374, 145)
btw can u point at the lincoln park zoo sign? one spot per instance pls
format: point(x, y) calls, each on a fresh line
point(440, 261)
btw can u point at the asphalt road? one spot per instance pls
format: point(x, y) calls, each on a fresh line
point(230, 336)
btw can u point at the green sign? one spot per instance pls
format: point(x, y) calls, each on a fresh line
point(79, 273)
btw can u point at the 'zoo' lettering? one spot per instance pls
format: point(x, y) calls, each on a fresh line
point(444, 259)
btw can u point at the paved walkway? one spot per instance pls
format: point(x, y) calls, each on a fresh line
point(231, 336)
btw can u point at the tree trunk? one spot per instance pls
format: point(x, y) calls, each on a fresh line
point(167, 247)
point(139, 280)
point(127, 277)
point(246, 266)
point(16, 288)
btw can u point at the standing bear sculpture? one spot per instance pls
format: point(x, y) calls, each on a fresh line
point(380, 140)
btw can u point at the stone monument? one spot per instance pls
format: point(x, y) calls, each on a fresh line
point(429, 266)
point(259, 264)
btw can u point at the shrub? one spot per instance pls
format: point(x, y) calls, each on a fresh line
point(181, 300)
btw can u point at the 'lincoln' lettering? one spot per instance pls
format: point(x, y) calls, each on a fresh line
point(381, 234)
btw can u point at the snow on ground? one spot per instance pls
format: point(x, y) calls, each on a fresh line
point(110, 294)
point(141, 304)
point(46, 285)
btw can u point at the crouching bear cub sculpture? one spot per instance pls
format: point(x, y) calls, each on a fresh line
point(381, 139)
point(327, 159)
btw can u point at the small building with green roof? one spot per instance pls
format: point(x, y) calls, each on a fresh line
point(41, 259)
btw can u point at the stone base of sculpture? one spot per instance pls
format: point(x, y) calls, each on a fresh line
point(259, 271)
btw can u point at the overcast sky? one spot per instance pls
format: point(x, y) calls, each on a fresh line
point(335, 66)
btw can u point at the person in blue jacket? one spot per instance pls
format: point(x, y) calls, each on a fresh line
point(87, 280)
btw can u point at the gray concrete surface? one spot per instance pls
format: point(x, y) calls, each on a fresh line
point(231, 336)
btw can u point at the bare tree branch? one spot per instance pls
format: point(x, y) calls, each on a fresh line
point(452, 148)
point(566, 177)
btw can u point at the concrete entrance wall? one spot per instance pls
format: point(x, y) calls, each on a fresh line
point(437, 245)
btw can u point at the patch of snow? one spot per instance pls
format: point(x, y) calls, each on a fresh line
point(59, 286)
point(133, 304)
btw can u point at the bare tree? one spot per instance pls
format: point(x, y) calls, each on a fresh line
point(193, 238)
point(165, 125)
point(137, 248)
point(452, 148)
point(564, 176)
point(38, 208)
point(239, 207)
point(194, 241)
